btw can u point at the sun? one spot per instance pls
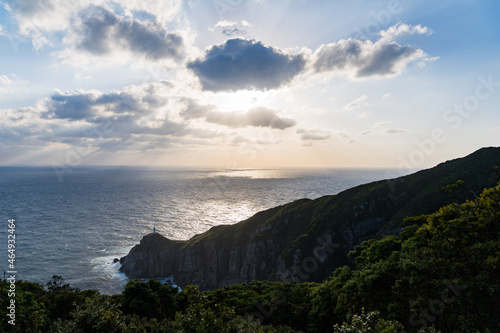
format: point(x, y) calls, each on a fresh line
point(241, 100)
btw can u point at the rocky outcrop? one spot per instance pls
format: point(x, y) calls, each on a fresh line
point(220, 262)
point(305, 240)
point(223, 256)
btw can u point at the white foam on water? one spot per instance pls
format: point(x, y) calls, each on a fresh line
point(168, 280)
point(119, 276)
point(107, 211)
point(105, 265)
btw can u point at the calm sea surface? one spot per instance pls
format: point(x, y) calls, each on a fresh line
point(77, 226)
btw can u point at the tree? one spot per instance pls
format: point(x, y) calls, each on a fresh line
point(140, 299)
point(369, 322)
point(30, 312)
point(97, 314)
point(199, 317)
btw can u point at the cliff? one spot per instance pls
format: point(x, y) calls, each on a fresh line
point(306, 240)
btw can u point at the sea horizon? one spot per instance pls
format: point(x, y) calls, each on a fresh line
point(76, 227)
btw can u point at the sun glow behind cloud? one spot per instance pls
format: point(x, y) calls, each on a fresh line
point(239, 100)
point(144, 82)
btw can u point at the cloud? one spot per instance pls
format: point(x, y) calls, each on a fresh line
point(100, 32)
point(96, 107)
point(312, 135)
point(136, 118)
point(363, 59)
point(245, 64)
point(401, 30)
point(230, 32)
point(194, 110)
point(10, 84)
point(131, 114)
point(5, 81)
point(82, 77)
point(40, 20)
point(356, 103)
point(394, 131)
point(379, 124)
point(239, 139)
point(153, 116)
point(364, 115)
point(223, 24)
point(230, 28)
point(254, 117)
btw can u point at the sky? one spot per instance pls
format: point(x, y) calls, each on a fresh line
point(248, 83)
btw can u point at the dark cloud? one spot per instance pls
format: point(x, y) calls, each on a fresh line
point(102, 31)
point(73, 107)
point(387, 59)
point(85, 106)
point(122, 110)
point(365, 58)
point(245, 64)
point(230, 32)
point(120, 115)
point(248, 64)
point(98, 29)
point(255, 117)
point(137, 119)
point(337, 55)
point(151, 41)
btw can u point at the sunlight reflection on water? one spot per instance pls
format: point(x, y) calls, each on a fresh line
point(75, 228)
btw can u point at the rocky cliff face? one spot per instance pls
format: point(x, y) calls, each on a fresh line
point(219, 262)
point(286, 243)
point(305, 240)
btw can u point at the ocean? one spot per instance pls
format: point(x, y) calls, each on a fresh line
point(75, 225)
